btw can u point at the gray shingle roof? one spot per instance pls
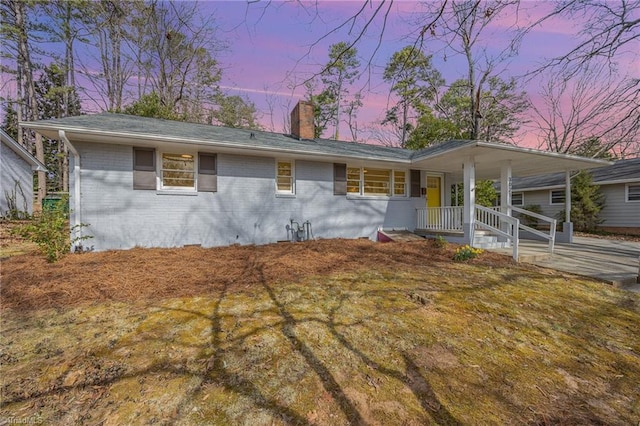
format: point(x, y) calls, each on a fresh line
point(621, 170)
point(134, 125)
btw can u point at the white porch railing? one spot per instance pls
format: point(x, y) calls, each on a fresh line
point(440, 218)
point(491, 219)
point(551, 236)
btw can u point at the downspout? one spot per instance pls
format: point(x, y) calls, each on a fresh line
point(76, 228)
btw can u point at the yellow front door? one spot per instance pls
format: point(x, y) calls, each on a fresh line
point(434, 195)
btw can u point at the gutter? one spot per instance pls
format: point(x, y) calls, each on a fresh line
point(76, 222)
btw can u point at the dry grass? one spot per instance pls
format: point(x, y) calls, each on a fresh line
point(325, 332)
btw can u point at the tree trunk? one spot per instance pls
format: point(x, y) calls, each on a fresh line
point(26, 69)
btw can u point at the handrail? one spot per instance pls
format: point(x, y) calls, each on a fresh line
point(551, 236)
point(497, 217)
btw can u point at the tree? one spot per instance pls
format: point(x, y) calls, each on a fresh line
point(67, 17)
point(55, 100)
point(576, 107)
point(502, 106)
point(10, 123)
point(586, 202)
point(340, 72)
point(461, 24)
point(150, 105)
point(415, 82)
point(236, 112)
point(486, 194)
point(607, 29)
point(108, 23)
point(180, 48)
point(430, 129)
point(15, 30)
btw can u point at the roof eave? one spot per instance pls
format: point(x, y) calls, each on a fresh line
point(230, 145)
point(21, 151)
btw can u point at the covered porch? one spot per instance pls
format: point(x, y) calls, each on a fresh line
point(490, 227)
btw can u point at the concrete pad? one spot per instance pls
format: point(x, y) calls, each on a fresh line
point(612, 261)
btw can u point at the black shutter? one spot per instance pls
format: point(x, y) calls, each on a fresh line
point(144, 168)
point(415, 183)
point(339, 179)
point(207, 172)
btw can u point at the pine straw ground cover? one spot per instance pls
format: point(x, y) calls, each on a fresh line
point(325, 332)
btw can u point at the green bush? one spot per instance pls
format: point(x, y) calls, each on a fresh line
point(439, 242)
point(50, 231)
point(466, 252)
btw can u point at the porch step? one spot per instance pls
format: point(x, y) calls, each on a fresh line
point(486, 240)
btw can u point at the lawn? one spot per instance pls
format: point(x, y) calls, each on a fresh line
point(325, 332)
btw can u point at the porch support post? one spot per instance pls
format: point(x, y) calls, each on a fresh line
point(505, 188)
point(505, 193)
point(567, 226)
point(469, 206)
point(567, 196)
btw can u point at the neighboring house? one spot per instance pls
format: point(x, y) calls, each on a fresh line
point(620, 184)
point(155, 183)
point(16, 176)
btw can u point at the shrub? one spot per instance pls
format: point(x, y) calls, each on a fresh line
point(466, 252)
point(586, 202)
point(13, 212)
point(439, 242)
point(50, 231)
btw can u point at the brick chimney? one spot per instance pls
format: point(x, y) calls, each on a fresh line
point(302, 121)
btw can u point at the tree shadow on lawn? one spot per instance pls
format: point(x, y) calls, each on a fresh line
point(215, 371)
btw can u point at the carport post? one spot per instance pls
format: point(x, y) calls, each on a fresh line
point(567, 226)
point(505, 193)
point(469, 205)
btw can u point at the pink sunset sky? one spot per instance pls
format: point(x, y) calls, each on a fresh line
point(274, 46)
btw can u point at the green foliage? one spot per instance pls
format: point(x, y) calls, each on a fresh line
point(236, 112)
point(530, 220)
point(10, 123)
point(415, 82)
point(439, 242)
point(500, 104)
point(586, 202)
point(151, 106)
point(467, 252)
point(50, 231)
point(340, 72)
point(55, 100)
point(430, 130)
point(486, 194)
point(594, 148)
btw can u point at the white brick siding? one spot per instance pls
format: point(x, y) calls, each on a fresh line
point(245, 209)
point(14, 169)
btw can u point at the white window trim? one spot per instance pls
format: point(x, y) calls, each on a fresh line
point(391, 195)
point(551, 203)
point(175, 190)
point(626, 192)
point(517, 205)
point(280, 193)
point(406, 183)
